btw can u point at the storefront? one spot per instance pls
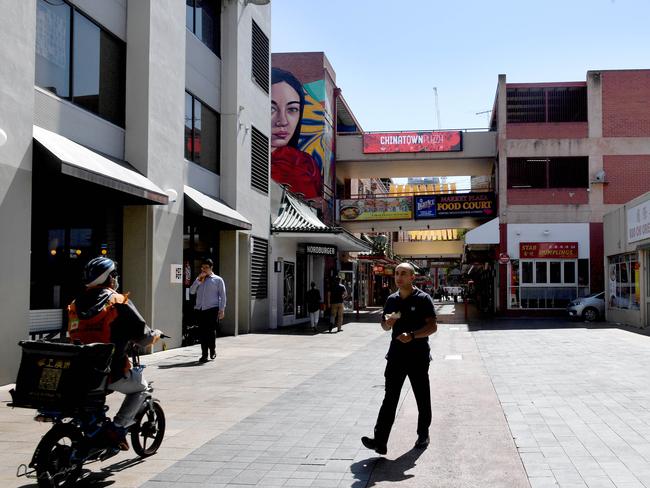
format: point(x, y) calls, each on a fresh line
point(548, 265)
point(204, 221)
point(304, 250)
point(78, 203)
point(627, 263)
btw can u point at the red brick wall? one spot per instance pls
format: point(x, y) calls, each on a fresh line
point(548, 196)
point(307, 67)
point(555, 130)
point(626, 103)
point(596, 256)
point(627, 177)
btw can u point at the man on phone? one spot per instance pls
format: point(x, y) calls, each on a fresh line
point(210, 291)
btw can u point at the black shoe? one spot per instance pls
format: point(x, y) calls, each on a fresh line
point(372, 444)
point(203, 359)
point(422, 442)
point(213, 355)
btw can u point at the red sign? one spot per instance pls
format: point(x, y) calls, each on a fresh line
point(410, 142)
point(548, 250)
point(504, 258)
point(378, 269)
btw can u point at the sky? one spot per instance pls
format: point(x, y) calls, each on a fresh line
point(389, 55)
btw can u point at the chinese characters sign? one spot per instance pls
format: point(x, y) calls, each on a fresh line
point(638, 222)
point(376, 209)
point(548, 250)
point(410, 142)
point(455, 205)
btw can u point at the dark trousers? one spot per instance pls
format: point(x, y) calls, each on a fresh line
point(207, 320)
point(397, 369)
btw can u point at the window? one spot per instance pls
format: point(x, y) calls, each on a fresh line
point(260, 56)
point(572, 172)
point(259, 268)
point(544, 283)
point(624, 276)
point(259, 161)
point(203, 19)
point(78, 60)
point(547, 104)
point(202, 134)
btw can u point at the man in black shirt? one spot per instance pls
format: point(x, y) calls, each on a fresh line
point(410, 314)
point(335, 298)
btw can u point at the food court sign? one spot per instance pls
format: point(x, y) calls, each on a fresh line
point(638, 222)
point(455, 205)
point(376, 209)
point(548, 250)
point(411, 142)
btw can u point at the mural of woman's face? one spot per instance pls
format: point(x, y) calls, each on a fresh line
point(285, 113)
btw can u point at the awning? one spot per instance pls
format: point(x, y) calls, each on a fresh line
point(488, 233)
point(213, 209)
point(80, 162)
point(298, 221)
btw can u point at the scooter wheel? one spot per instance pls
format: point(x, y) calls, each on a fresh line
point(149, 429)
point(54, 458)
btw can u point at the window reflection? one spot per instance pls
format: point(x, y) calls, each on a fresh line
point(53, 48)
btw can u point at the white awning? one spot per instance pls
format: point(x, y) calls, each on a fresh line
point(344, 241)
point(488, 233)
point(215, 210)
point(80, 162)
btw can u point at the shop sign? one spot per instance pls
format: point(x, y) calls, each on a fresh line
point(321, 249)
point(390, 208)
point(412, 142)
point(548, 250)
point(455, 205)
point(378, 269)
point(638, 222)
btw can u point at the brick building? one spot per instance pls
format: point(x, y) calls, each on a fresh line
point(567, 154)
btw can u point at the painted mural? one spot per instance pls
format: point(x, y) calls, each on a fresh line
point(301, 135)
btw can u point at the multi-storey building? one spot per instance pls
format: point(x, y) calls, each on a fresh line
point(567, 154)
point(138, 130)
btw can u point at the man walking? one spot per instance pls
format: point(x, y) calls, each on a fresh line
point(313, 305)
point(335, 298)
point(410, 314)
point(210, 291)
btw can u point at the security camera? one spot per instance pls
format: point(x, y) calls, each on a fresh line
point(600, 176)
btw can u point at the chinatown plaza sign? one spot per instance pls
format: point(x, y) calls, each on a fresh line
point(412, 142)
point(548, 250)
point(455, 205)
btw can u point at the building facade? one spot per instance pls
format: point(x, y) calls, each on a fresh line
point(567, 154)
point(138, 131)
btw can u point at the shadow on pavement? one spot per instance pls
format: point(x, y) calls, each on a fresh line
point(368, 473)
point(188, 364)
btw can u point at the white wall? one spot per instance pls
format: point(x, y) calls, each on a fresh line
point(557, 233)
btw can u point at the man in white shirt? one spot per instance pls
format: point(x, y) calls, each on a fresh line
point(210, 291)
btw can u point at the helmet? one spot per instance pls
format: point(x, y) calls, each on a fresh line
point(97, 270)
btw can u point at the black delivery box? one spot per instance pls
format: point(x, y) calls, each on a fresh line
point(58, 376)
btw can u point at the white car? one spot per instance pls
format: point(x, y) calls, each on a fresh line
point(590, 308)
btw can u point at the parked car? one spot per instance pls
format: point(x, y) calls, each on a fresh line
point(590, 308)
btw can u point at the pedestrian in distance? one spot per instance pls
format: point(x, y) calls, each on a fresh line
point(313, 305)
point(335, 298)
point(210, 307)
point(409, 313)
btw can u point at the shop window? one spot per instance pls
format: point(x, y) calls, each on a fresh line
point(527, 272)
point(624, 276)
point(569, 272)
point(540, 272)
point(78, 60)
point(555, 272)
point(202, 134)
point(545, 284)
point(203, 19)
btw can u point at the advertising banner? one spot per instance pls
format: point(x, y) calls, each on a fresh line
point(548, 250)
point(392, 208)
point(455, 205)
point(410, 142)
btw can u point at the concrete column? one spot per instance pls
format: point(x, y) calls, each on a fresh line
point(229, 271)
point(155, 112)
point(17, 58)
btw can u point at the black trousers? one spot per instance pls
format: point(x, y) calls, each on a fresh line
point(397, 369)
point(208, 320)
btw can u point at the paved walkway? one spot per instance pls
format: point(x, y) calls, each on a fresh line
point(548, 404)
